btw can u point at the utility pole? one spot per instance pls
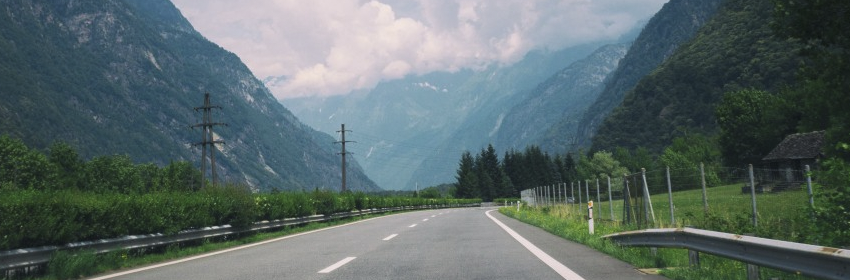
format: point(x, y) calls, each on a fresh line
point(343, 153)
point(207, 139)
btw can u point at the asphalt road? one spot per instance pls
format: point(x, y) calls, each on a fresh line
point(438, 244)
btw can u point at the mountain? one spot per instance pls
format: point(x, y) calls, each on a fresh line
point(124, 77)
point(560, 99)
point(735, 50)
point(401, 124)
point(676, 23)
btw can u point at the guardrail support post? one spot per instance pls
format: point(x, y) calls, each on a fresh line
point(752, 272)
point(693, 258)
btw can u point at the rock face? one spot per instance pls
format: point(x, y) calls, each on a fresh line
point(125, 76)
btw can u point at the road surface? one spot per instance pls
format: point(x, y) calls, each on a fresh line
point(470, 243)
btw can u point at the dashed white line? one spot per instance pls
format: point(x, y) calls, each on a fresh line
point(433, 216)
point(424, 220)
point(225, 251)
point(337, 265)
point(390, 237)
point(559, 268)
point(413, 225)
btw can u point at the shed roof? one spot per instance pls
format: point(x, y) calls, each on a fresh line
point(798, 146)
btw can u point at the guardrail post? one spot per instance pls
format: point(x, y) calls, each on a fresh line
point(693, 258)
point(752, 272)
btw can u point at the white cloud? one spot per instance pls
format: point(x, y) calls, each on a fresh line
point(328, 47)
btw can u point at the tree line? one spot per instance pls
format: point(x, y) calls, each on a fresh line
point(61, 168)
point(485, 176)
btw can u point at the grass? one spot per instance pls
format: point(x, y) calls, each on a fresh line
point(782, 215)
point(70, 265)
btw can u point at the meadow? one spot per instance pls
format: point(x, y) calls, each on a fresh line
point(782, 215)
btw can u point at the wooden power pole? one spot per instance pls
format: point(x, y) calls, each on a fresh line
point(207, 140)
point(343, 153)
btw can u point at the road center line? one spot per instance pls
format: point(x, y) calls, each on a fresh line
point(560, 268)
point(337, 265)
point(424, 220)
point(413, 225)
point(390, 237)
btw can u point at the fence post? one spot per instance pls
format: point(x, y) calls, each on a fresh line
point(536, 197)
point(627, 204)
point(572, 192)
point(587, 189)
point(646, 194)
point(670, 197)
point(598, 198)
point(610, 201)
point(579, 194)
point(704, 194)
point(559, 193)
point(809, 186)
point(753, 192)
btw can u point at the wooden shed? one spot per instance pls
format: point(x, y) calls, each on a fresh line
point(787, 160)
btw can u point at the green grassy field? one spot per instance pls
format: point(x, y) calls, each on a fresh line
point(728, 210)
point(782, 215)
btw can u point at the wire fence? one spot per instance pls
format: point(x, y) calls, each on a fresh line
point(675, 197)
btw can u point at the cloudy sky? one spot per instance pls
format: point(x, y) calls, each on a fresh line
point(329, 47)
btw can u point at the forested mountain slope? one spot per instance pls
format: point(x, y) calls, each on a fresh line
point(735, 50)
point(123, 77)
point(676, 23)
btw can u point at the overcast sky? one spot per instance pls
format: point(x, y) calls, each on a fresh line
point(328, 47)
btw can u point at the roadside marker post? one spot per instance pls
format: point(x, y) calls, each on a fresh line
point(590, 216)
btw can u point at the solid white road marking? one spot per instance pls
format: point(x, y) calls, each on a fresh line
point(560, 268)
point(337, 265)
point(413, 225)
point(390, 237)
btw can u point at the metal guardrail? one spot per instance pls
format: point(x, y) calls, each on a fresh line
point(810, 260)
point(38, 256)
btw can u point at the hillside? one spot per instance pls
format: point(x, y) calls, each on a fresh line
point(123, 77)
point(676, 23)
point(735, 50)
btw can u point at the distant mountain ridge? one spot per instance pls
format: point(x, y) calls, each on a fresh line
point(124, 76)
point(402, 123)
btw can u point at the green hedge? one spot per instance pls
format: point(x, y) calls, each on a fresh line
point(30, 218)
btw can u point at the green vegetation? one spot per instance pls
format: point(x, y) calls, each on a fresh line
point(735, 50)
point(783, 216)
point(58, 198)
point(669, 29)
